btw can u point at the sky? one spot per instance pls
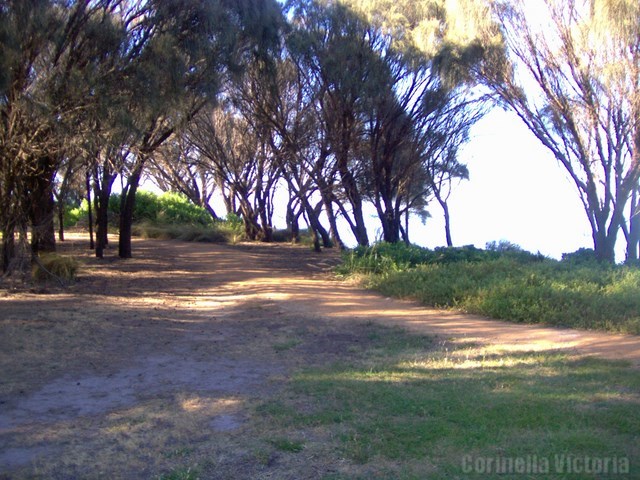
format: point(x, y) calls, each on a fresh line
point(517, 192)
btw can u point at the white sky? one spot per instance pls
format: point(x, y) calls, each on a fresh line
point(516, 192)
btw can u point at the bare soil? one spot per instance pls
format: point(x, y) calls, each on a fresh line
point(146, 365)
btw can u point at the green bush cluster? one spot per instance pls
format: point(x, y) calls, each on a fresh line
point(168, 216)
point(393, 257)
point(511, 285)
point(168, 208)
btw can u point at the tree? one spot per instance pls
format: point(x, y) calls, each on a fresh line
point(177, 167)
point(375, 68)
point(192, 47)
point(574, 84)
point(332, 47)
point(229, 146)
point(451, 112)
point(49, 55)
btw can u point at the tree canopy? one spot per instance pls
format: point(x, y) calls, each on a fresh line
point(343, 104)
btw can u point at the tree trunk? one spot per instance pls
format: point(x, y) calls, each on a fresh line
point(8, 247)
point(61, 221)
point(292, 220)
point(266, 229)
point(126, 212)
point(389, 219)
point(333, 224)
point(101, 198)
point(209, 209)
point(447, 220)
point(390, 227)
point(604, 246)
point(252, 229)
point(89, 209)
point(314, 218)
point(633, 242)
point(42, 208)
point(405, 231)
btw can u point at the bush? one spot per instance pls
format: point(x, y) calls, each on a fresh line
point(176, 208)
point(219, 232)
point(510, 284)
point(393, 257)
point(53, 266)
point(582, 256)
point(167, 208)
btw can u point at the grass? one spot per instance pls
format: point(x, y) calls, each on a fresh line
point(286, 345)
point(181, 474)
point(50, 266)
point(413, 412)
point(287, 445)
point(219, 232)
point(514, 286)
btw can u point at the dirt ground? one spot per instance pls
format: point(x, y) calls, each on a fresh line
point(156, 361)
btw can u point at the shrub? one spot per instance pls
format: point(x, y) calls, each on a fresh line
point(582, 256)
point(167, 208)
point(176, 208)
point(510, 285)
point(219, 231)
point(392, 257)
point(53, 266)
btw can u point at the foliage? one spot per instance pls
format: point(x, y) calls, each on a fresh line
point(51, 266)
point(168, 208)
point(581, 256)
point(229, 230)
point(510, 285)
point(392, 257)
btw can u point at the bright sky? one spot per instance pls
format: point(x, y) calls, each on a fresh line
point(516, 192)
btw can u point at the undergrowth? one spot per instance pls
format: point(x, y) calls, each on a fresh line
point(219, 232)
point(51, 266)
point(508, 284)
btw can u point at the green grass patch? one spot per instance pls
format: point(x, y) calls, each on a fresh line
point(287, 445)
point(181, 474)
point(286, 345)
point(511, 285)
point(444, 414)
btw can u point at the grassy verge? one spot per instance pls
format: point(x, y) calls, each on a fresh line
point(219, 232)
point(407, 410)
point(514, 286)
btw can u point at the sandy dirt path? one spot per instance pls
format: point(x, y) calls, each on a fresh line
point(146, 361)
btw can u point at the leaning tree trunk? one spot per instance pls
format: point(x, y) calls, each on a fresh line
point(447, 219)
point(333, 224)
point(126, 212)
point(293, 221)
point(633, 242)
point(314, 222)
point(89, 209)
point(61, 221)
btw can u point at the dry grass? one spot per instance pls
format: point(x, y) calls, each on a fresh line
point(52, 266)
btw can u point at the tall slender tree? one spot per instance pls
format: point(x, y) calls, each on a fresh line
point(574, 83)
